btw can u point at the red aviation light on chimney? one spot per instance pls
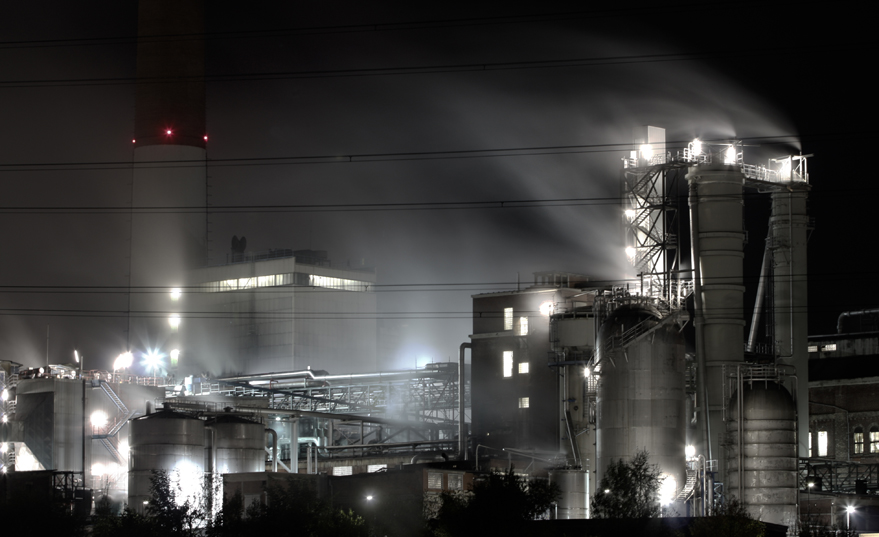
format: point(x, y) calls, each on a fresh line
point(205, 137)
point(168, 132)
point(133, 141)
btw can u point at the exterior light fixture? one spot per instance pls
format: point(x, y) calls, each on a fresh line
point(646, 151)
point(696, 146)
point(547, 308)
point(690, 452)
point(630, 252)
point(586, 372)
point(630, 214)
point(176, 293)
point(174, 321)
point(729, 154)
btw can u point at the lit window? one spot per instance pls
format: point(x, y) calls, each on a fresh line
point(508, 363)
point(523, 368)
point(828, 348)
point(372, 468)
point(524, 402)
point(523, 326)
point(342, 470)
point(810, 443)
point(456, 481)
point(874, 439)
point(813, 348)
point(508, 318)
point(822, 443)
point(859, 439)
point(435, 480)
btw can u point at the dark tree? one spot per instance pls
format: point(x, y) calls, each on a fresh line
point(731, 519)
point(628, 489)
point(499, 504)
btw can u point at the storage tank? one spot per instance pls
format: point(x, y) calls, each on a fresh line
point(238, 445)
point(167, 441)
point(573, 500)
point(767, 452)
point(640, 396)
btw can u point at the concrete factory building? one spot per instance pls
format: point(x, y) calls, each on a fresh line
point(285, 310)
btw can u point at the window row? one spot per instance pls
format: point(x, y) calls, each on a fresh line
point(290, 278)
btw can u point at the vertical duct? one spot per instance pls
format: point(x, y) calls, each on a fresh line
point(168, 231)
point(718, 240)
point(788, 226)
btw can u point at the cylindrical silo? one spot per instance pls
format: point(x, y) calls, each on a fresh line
point(717, 238)
point(238, 445)
point(640, 396)
point(764, 445)
point(573, 500)
point(165, 441)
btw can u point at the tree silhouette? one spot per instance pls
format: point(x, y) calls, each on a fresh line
point(628, 489)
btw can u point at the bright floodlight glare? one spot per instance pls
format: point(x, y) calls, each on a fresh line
point(850, 509)
point(546, 308)
point(667, 489)
point(607, 491)
point(174, 321)
point(630, 213)
point(630, 252)
point(75, 355)
point(99, 418)
point(729, 155)
point(5, 394)
point(5, 419)
point(690, 452)
point(369, 497)
point(123, 361)
point(646, 151)
point(586, 372)
point(175, 354)
point(811, 484)
point(4, 448)
point(697, 147)
point(175, 293)
point(152, 360)
point(97, 469)
point(168, 132)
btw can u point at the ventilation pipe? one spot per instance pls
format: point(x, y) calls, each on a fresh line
point(274, 436)
point(462, 437)
point(788, 225)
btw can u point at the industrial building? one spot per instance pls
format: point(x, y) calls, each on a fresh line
point(283, 310)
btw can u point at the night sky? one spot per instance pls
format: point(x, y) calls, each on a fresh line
point(371, 131)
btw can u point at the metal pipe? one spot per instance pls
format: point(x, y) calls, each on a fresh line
point(758, 304)
point(852, 314)
point(699, 321)
point(274, 449)
point(462, 437)
point(294, 446)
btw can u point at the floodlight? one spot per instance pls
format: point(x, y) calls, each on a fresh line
point(729, 154)
point(174, 321)
point(646, 151)
point(175, 293)
point(697, 147)
point(99, 418)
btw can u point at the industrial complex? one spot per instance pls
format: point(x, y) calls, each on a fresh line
point(559, 377)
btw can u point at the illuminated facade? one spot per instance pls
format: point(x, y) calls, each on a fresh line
point(291, 310)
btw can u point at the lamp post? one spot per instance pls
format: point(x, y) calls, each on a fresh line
point(80, 360)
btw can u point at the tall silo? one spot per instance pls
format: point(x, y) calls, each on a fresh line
point(717, 242)
point(640, 398)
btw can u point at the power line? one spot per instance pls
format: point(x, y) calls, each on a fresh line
point(626, 11)
point(616, 147)
point(444, 68)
